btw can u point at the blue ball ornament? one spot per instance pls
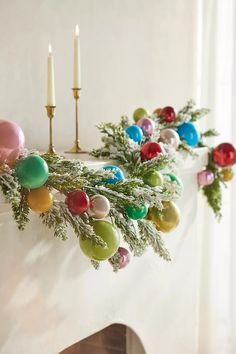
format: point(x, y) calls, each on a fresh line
point(189, 133)
point(135, 133)
point(118, 174)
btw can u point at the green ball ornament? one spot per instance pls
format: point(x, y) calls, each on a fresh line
point(109, 234)
point(175, 179)
point(32, 172)
point(154, 179)
point(140, 113)
point(137, 213)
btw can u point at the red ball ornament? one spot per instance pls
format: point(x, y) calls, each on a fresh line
point(224, 155)
point(151, 150)
point(77, 202)
point(168, 114)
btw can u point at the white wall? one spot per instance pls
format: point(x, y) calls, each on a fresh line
point(134, 53)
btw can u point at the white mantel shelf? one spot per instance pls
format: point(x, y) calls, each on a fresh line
point(51, 297)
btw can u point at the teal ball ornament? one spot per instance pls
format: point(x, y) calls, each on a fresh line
point(137, 213)
point(109, 235)
point(118, 174)
point(189, 133)
point(175, 179)
point(135, 133)
point(32, 172)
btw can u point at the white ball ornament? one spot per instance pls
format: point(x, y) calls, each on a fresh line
point(170, 136)
point(99, 207)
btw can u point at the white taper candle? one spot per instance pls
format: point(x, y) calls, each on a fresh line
point(51, 84)
point(77, 81)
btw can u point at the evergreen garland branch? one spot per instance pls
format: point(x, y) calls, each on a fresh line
point(153, 237)
point(15, 195)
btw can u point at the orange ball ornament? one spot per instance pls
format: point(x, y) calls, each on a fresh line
point(40, 200)
point(227, 174)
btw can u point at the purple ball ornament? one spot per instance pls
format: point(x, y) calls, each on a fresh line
point(12, 141)
point(147, 125)
point(205, 177)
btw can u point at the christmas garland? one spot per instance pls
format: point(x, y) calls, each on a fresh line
point(103, 205)
point(99, 205)
point(125, 144)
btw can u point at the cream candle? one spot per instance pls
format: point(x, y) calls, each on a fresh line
point(77, 82)
point(51, 84)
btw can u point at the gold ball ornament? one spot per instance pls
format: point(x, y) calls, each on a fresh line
point(40, 200)
point(166, 219)
point(227, 174)
point(157, 111)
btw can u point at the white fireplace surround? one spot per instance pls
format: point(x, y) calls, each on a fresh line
point(51, 297)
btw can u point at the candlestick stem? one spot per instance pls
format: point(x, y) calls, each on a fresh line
point(76, 149)
point(51, 113)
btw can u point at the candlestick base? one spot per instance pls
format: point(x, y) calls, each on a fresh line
point(76, 149)
point(51, 150)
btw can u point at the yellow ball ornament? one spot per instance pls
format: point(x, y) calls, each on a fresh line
point(227, 174)
point(166, 219)
point(40, 200)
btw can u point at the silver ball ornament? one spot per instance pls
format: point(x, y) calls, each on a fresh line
point(99, 207)
point(170, 136)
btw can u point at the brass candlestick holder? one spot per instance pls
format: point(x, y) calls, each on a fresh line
point(51, 110)
point(76, 149)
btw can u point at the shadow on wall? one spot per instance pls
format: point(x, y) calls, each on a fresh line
point(115, 339)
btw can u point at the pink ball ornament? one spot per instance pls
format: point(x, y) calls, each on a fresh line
point(205, 178)
point(12, 141)
point(125, 257)
point(147, 125)
point(99, 207)
point(170, 136)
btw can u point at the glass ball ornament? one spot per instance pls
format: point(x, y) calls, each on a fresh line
point(175, 179)
point(32, 171)
point(151, 150)
point(227, 174)
point(40, 200)
point(157, 111)
point(140, 113)
point(154, 179)
point(12, 141)
point(77, 202)
point(224, 155)
point(166, 219)
point(147, 125)
point(109, 235)
point(99, 207)
point(170, 136)
point(118, 174)
point(135, 133)
point(137, 213)
point(205, 178)
point(125, 257)
point(168, 114)
point(189, 133)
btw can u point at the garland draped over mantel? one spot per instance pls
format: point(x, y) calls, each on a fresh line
point(134, 200)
